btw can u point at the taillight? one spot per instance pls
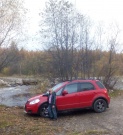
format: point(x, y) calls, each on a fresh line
point(105, 91)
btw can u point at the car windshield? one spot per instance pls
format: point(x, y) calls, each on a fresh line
point(57, 86)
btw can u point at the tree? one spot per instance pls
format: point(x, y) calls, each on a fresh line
point(10, 22)
point(60, 30)
point(75, 51)
point(9, 56)
point(109, 68)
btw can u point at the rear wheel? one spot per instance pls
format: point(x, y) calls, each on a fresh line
point(100, 105)
point(43, 110)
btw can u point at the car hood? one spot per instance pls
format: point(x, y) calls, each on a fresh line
point(35, 97)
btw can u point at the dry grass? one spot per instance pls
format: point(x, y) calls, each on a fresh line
point(13, 121)
point(115, 93)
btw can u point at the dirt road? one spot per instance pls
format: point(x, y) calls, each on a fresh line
point(90, 123)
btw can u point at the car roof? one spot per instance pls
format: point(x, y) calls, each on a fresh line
point(85, 80)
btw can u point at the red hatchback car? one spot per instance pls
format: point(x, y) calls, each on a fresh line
point(77, 94)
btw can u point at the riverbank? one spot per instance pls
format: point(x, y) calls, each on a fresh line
point(14, 81)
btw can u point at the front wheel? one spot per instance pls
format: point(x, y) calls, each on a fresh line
point(100, 105)
point(43, 110)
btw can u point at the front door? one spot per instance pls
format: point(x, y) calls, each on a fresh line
point(70, 100)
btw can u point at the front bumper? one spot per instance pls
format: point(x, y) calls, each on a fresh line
point(31, 109)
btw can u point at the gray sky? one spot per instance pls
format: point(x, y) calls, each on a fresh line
point(104, 11)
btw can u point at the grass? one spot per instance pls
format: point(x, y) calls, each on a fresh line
point(115, 93)
point(90, 132)
point(95, 132)
point(13, 121)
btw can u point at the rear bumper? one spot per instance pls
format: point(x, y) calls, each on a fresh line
point(108, 102)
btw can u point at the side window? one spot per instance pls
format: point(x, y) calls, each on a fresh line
point(58, 93)
point(72, 88)
point(86, 86)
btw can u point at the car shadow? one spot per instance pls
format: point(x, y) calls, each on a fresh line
point(75, 112)
point(65, 113)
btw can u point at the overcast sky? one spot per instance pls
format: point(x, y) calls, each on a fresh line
point(106, 11)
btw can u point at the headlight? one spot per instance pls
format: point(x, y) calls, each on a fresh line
point(34, 101)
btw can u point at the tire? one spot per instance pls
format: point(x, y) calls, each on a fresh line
point(43, 110)
point(100, 105)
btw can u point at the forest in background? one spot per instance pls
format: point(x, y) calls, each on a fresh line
point(64, 65)
point(73, 46)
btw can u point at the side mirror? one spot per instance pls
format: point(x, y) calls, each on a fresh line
point(64, 92)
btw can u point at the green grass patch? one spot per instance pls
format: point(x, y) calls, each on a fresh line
point(4, 124)
point(95, 132)
point(115, 93)
point(2, 106)
point(90, 132)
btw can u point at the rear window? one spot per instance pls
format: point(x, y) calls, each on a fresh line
point(100, 84)
point(86, 86)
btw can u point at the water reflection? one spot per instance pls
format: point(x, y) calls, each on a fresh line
point(15, 96)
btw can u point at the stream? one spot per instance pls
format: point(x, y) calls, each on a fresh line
point(15, 96)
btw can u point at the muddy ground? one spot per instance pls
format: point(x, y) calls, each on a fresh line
point(13, 121)
point(109, 122)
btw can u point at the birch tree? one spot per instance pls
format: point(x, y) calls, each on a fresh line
point(10, 23)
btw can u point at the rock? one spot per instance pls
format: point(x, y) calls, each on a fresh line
point(12, 81)
point(3, 83)
point(9, 81)
point(19, 82)
point(29, 81)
